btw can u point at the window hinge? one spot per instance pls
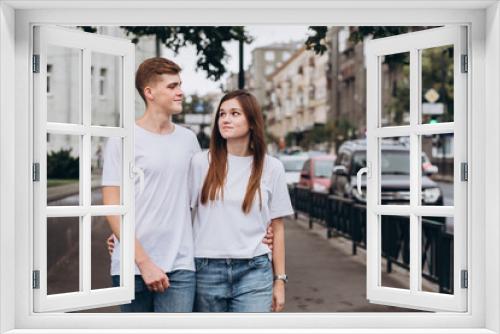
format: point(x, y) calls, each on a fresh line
point(36, 63)
point(36, 279)
point(465, 64)
point(464, 171)
point(36, 172)
point(464, 279)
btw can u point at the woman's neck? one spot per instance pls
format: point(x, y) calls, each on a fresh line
point(238, 146)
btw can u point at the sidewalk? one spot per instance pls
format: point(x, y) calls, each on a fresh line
point(323, 275)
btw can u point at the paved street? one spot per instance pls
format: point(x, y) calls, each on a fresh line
point(324, 276)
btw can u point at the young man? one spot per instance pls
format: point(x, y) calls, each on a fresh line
point(164, 256)
point(165, 277)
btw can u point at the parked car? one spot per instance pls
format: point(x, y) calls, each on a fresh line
point(316, 173)
point(427, 166)
point(395, 181)
point(293, 166)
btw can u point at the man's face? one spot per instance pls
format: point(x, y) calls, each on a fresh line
point(166, 94)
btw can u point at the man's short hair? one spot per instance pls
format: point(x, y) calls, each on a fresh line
point(150, 70)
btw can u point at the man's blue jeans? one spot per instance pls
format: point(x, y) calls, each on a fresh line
point(179, 297)
point(234, 285)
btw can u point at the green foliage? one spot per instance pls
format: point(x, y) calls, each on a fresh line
point(208, 42)
point(61, 165)
point(316, 41)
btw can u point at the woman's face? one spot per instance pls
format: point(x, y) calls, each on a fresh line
point(232, 122)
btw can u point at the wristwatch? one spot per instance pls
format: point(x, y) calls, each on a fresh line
point(282, 277)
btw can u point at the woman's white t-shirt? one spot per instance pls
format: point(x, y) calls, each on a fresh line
point(221, 228)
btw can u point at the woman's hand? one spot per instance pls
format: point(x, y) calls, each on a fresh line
point(269, 237)
point(278, 296)
point(110, 242)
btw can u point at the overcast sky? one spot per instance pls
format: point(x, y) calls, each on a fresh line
point(196, 82)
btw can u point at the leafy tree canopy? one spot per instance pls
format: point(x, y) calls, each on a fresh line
point(208, 42)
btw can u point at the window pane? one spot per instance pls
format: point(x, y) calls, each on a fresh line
point(395, 89)
point(395, 261)
point(437, 85)
point(63, 255)
point(437, 169)
point(394, 171)
point(437, 254)
point(99, 145)
point(101, 259)
point(64, 80)
point(63, 169)
point(106, 89)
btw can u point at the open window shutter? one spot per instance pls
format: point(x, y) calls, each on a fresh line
point(64, 229)
point(417, 235)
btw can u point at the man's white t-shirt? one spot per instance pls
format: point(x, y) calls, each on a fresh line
point(221, 228)
point(162, 214)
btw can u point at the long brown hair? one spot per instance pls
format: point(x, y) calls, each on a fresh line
point(217, 170)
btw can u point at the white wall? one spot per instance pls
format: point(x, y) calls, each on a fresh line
point(7, 174)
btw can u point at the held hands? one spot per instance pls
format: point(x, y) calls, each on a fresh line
point(278, 296)
point(155, 279)
point(268, 239)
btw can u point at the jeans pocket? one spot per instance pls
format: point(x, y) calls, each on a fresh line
point(260, 261)
point(200, 263)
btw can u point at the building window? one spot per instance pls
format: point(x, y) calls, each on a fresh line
point(49, 79)
point(269, 69)
point(269, 56)
point(102, 81)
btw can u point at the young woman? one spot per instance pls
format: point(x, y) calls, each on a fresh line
point(238, 191)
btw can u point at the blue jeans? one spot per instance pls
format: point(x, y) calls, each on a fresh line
point(179, 297)
point(234, 285)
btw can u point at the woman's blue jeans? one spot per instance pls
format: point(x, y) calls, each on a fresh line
point(234, 285)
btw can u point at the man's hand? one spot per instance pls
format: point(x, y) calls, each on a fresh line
point(155, 279)
point(269, 238)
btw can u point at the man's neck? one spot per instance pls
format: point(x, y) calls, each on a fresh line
point(156, 122)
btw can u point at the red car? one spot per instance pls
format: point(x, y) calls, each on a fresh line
point(317, 172)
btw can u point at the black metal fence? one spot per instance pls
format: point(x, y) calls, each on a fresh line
point(344, 217)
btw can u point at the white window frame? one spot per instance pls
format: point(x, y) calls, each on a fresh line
point(16, 18)
point(414, 43)
point(44, 37)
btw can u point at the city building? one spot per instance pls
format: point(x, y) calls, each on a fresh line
point(64, 91)
point(346, 81)
point(265, 60)
point(297, 92)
